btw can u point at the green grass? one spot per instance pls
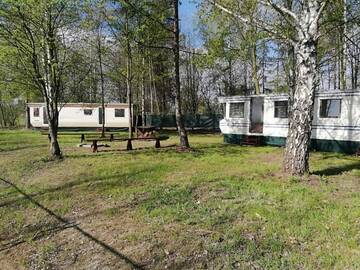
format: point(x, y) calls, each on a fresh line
point(219, 206)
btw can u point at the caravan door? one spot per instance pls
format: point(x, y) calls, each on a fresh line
point(256, 115)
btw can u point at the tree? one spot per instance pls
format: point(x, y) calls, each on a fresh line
point(14, 85)
point(184, 141)
point(129, 76)
point(235, 44)
point(304, 20)
point(95, 24)
point(37, 29)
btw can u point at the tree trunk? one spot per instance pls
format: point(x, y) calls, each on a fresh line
point(143, 93)
point(53, 116)
point(296, 161)
point(3, 116)
point(356, 72)
point(151, 88)
point(27, 117)
point(231, 88)
point(335, 74)
point(99, 51)
point(254, 69)
point(184, 142)
point(352, 73)
point(27, 112)
point(343, 49)
point(129, 75)
point(52, 86)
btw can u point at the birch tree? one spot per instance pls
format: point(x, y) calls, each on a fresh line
point(304, 19)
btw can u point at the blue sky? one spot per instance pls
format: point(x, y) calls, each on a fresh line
point(188, 21)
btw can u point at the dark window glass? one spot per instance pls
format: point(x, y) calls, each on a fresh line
point(88, 112)
point(330, 108)
point(36, 112)
point(119, 113)
point(237, 110)
point(281, 109)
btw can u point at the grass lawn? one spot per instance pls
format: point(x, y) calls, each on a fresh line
point(217, 207)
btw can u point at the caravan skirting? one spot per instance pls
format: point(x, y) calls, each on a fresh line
point(348, 147)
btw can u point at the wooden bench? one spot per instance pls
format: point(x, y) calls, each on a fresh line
point(82, 137)
point(95, 146)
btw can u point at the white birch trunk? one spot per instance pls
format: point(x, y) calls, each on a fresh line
point(296, 160)
point(51, 98)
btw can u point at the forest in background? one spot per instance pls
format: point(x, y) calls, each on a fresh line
point(98, 39)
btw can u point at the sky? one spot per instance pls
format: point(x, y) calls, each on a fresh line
point(188, 21)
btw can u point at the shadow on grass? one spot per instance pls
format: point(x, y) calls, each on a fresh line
point(16, 148)
point(336, 170)
point(114, 150)
point(64, 221)
point(108, 181)
point(38, 234)
point(221, 149)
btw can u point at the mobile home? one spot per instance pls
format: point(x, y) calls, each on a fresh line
point(82, 115)
point(336, 120)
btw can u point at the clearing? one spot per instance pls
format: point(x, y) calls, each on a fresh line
point(219, 206)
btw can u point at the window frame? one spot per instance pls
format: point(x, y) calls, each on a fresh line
point(119, 109)
point(243, 110)
point(37, 110)
point(287, 109)
point(329, 99)
point(88, 110)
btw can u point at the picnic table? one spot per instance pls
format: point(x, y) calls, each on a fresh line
point(95, 146)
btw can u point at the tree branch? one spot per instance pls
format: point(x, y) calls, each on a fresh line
point(323, 6)
point(281, 9)
point(258, 23)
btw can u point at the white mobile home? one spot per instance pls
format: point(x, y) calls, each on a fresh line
point(336, 120)
point(82, 115)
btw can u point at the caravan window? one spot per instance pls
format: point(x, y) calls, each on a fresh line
point(36, 112)
point(237, 110)
point(330, 108)
point(119, 113)
point(281, 109)
point(88, 111)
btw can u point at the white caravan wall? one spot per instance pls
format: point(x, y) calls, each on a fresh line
point(112, 121)
point(73, 116)
point(37, 121)
point(345, 128)
point(274, 127)
point(238, 125)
